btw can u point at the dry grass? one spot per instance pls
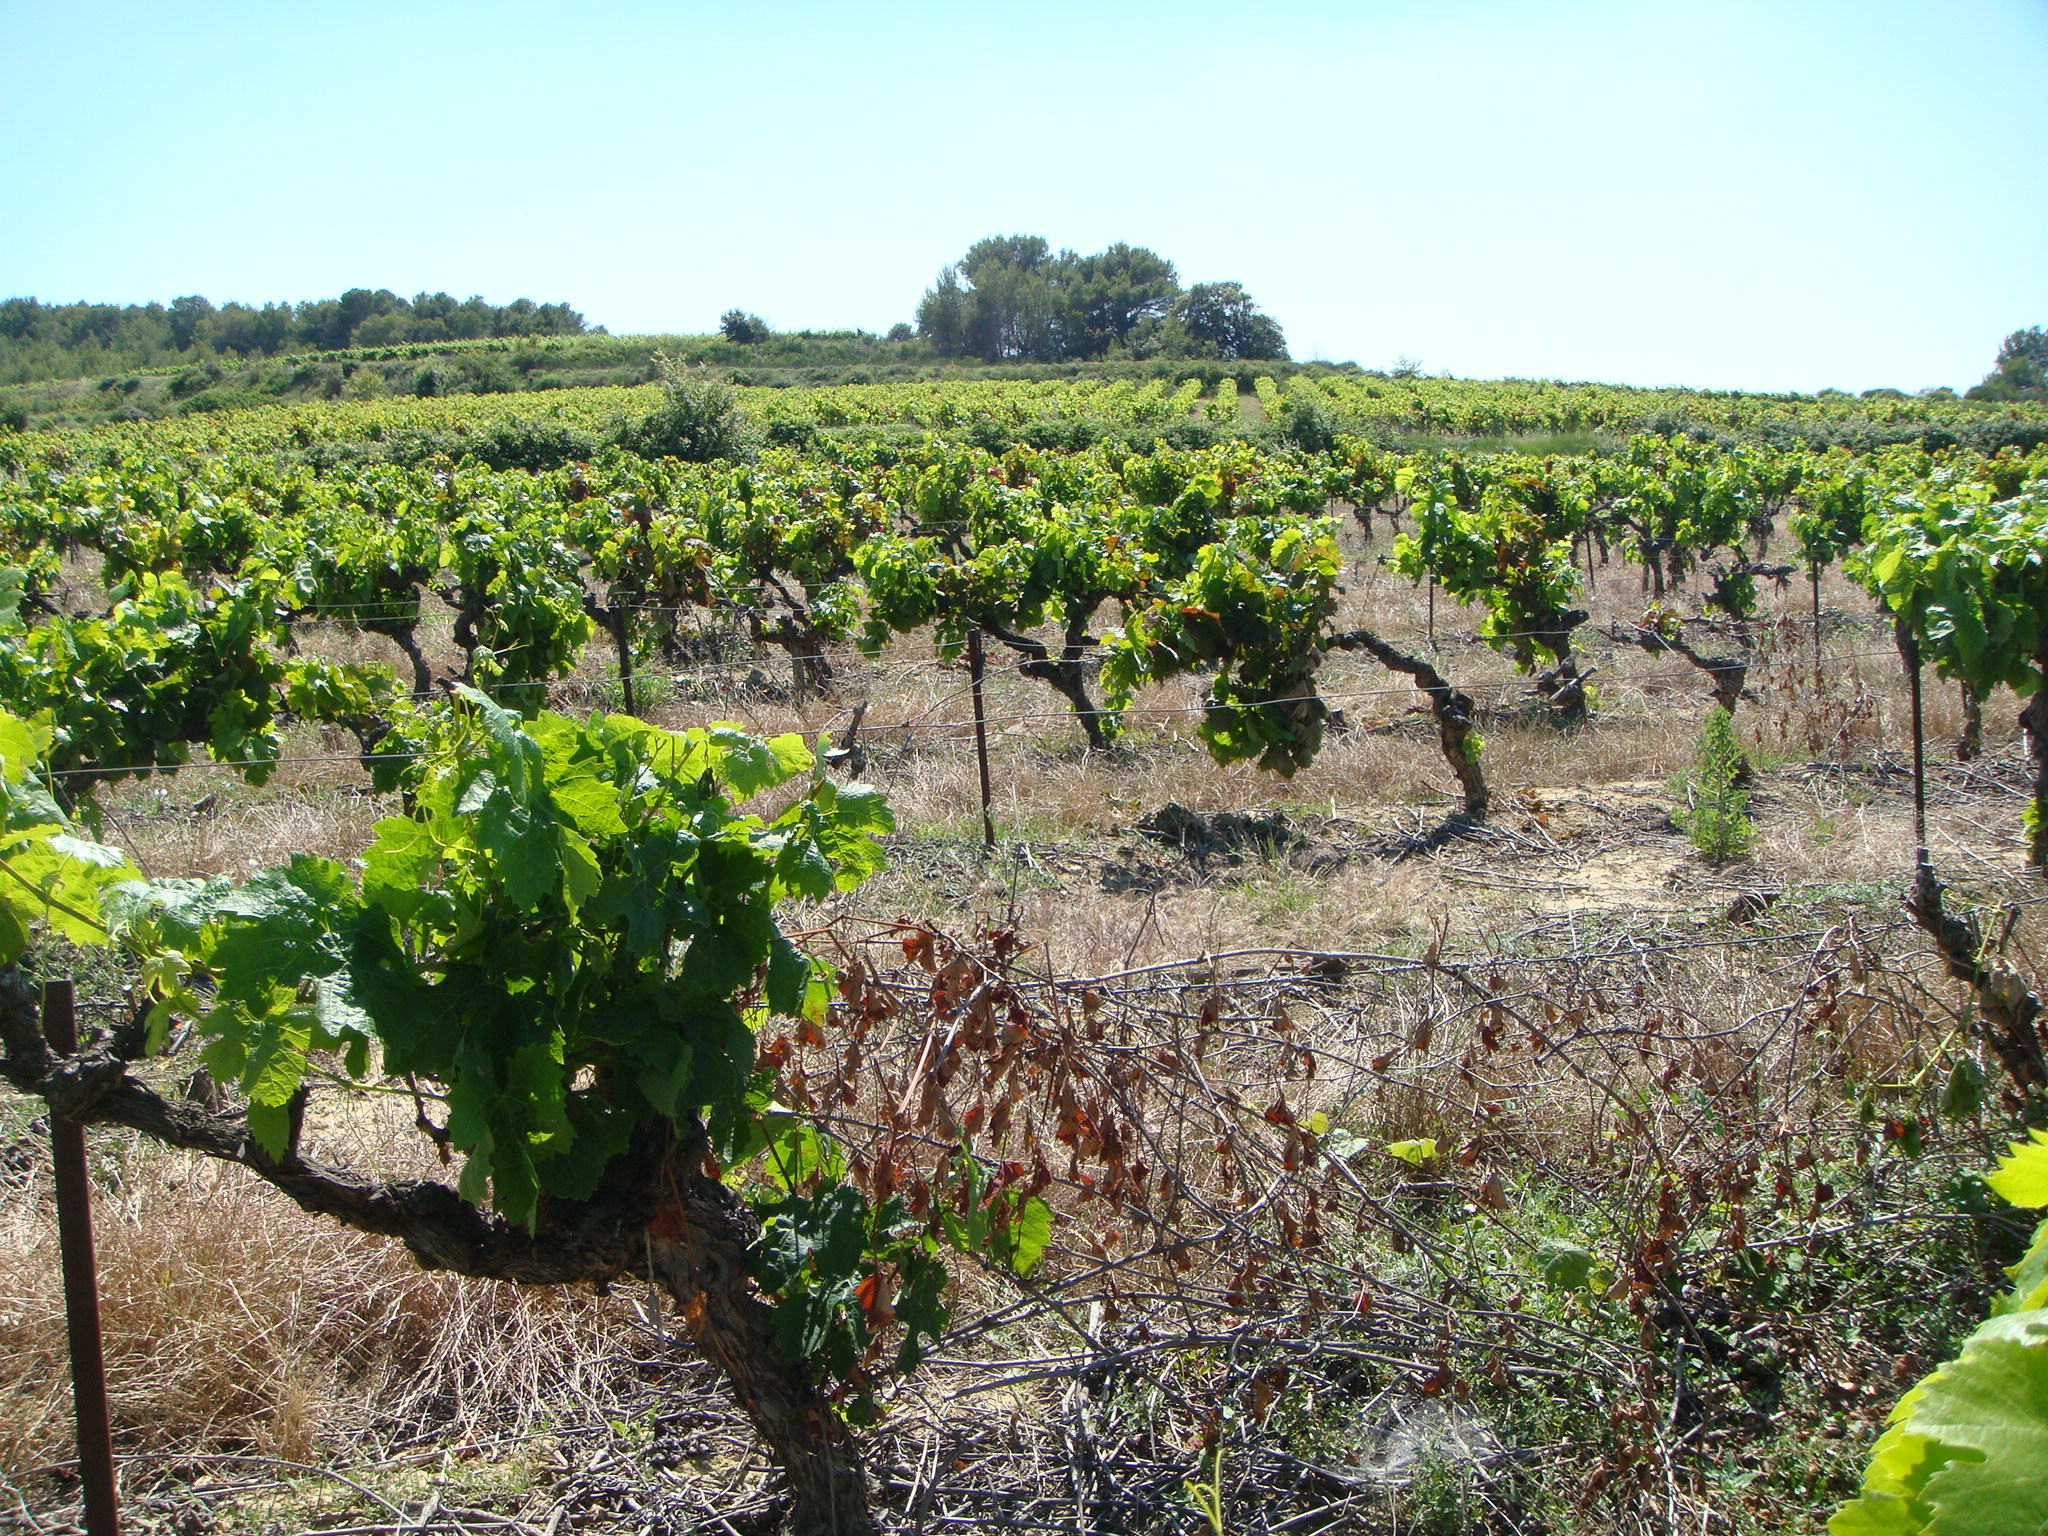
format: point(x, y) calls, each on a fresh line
point(1734, 1076)
point(235, 1322)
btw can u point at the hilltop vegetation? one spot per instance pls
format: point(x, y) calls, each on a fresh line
point(1010, 300)
point(64, 341)
point(1010, 309)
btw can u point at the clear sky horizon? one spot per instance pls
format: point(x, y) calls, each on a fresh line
point(1727, 195)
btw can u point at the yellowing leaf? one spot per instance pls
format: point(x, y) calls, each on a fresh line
point(22, 745)
point(2022, 1176)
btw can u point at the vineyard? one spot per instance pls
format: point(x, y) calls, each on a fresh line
point(1202, 953)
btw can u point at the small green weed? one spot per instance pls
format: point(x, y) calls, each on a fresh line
point(1440, 1498)
point(1713, 806)
point(1206, 1499)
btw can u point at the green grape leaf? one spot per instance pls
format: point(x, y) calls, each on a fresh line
point(1341, 1146)
point(582, 876)
point(851, 819)
point(91, 855)
point(514, 1184)
point(49, 876)
point(534, 1081)
point(821, 1236)
point(277, 1056)
point(920, 1305)
point(525, 853)
point(278, 929)
point(1024, 1240)
point(474, 1182)
point(415, 1018)
point(399, 864)
point(722, 957)
point(2022, 1175)
point(470, 1097)
point(803, 1322)
point(1564, 1265)
point(599, 1136)
point(789, 977)
point(1967, 1450)
point(1993, 1401)
point(592, 804)
point(747, 764)
point(1963, 1095)
point(271, 1125)
point(2029, 1277)
point(666, 1065)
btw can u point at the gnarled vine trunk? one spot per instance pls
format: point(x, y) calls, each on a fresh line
point(1564, 685)
point(650, 1205)
point(700, 1255)
point(1451, 709)
point(810, 672)
point(1729, 675)
point(1066, 671)
point(2010, 1015)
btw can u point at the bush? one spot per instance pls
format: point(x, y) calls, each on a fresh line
point(223, 400)
point(1067, 434)
point(1714, 809)
point(532, 445)
point(791, 432)
point(1306, 422)
point(698, 420)
point(192, 381)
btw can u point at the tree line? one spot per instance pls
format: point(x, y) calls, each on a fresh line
point(1010, 298)
point(39, 340)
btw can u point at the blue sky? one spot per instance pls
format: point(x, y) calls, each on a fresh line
point(1791, 195)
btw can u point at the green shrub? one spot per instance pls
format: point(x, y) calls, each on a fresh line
point(698, 420)
point(1714, 806)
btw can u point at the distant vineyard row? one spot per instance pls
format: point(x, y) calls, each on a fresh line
point(1218, 561)
point(1310, 406)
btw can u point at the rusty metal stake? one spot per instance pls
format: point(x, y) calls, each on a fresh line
point(81, 1285)
point(974, 671)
